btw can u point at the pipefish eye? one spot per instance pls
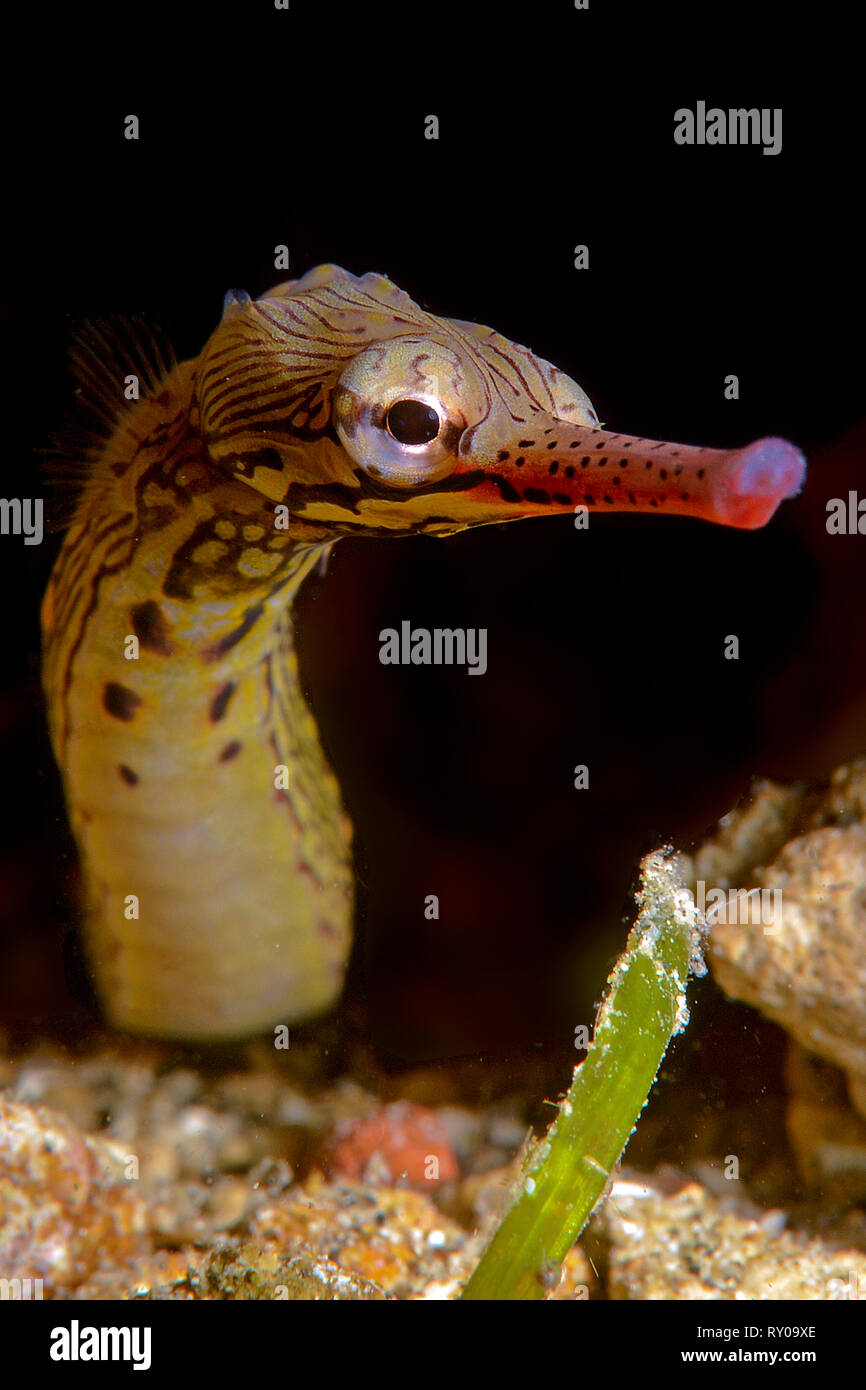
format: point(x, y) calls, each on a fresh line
point(398, 412)
point(413, 422)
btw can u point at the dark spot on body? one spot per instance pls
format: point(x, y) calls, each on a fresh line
point(518, 463)
point(609, 501)
point(502, 456)
point(553, 444)
point(525, 443)
point(562, 499)
point(230, 751)
point(536, 494)
point(590, 501)
point(120, 701)
point(554, 468)
point(506, 491)
point(225, 644)
point(623, 463)
point(569, 471)
point(304, 868)
point(584, 462)
point(684, 497)
point(151, 628)
point(220, 701)
point(266, 457)
point(663, 474)
point(701, 472)
point(129, 777)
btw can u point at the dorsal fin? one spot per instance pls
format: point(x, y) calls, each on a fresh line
point(105, 350)
point(102, 352)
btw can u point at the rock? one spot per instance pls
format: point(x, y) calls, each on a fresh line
point(807, 968)
point(394, 1238)
point(407, 1144)
point(67, 1207)
point(250, 1272)
point(689, 1245)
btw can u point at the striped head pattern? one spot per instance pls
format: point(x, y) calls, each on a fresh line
point(340, 397)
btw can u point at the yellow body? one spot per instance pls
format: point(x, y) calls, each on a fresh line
point(243, 887)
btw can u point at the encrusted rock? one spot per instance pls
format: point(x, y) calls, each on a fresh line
point(401, 1144)
point(827, 1136)
point(254, 1272)
point(689, 1245)
point(67, 1204)
point(803, 963)
point(394, 1238)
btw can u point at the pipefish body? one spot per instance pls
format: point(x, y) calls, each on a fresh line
point(218, 889)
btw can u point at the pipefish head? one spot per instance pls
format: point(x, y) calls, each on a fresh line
point(340, 397)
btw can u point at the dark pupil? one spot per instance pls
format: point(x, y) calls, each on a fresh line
point(413, 422)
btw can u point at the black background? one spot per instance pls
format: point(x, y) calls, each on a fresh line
point(306, 127)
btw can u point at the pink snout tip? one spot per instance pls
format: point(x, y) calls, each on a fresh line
point(757, 479)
